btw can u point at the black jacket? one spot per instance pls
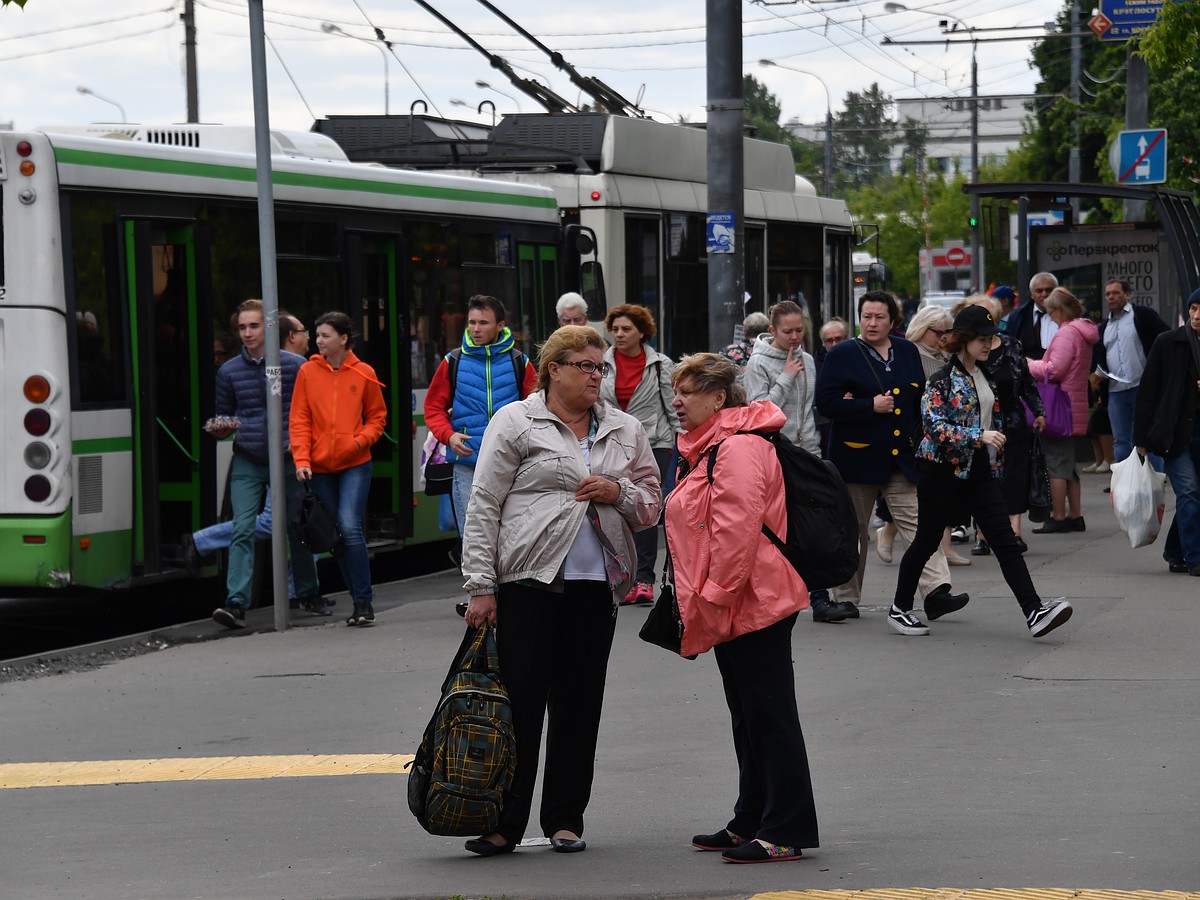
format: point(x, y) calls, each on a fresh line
point(1166, 403)
point(1146, 322)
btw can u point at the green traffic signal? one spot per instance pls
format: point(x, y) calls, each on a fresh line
point(973, 221)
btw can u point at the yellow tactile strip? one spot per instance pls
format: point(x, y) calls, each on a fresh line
point(205, 768)
point(978, 894)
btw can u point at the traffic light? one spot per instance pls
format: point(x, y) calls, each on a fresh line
point(972, 222)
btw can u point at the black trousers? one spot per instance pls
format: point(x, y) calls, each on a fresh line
point(646, 542)
point(775, 799)
point(553, 661)
point(939, 494)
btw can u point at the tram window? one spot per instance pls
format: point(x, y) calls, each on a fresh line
point(99, 346)
point(486, 249)
point(299, 237)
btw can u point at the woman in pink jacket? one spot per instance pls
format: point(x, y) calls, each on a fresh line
point(1068, 362)
point(739, 595)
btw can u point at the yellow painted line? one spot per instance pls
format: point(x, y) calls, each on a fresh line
point(204, 768)
point(945, 893)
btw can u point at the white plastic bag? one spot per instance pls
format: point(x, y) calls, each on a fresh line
point(1137, 499)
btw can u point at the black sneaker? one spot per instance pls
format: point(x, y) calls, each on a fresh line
point(230, 616)
point(1048, 616)
point(943, 602)
point(824, 611)
point(317, 605)
point(906, 623)
point(366, 615)
point(981, 548)
point(1077, 524)
point(846, 607)
point(958, 534)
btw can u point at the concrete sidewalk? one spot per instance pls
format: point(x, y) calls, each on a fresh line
point(974, 758)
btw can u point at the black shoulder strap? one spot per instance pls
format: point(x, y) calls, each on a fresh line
point(867, 359)
point(518, 362)
point(452, 359)
point(711, 453)
point(658, 388)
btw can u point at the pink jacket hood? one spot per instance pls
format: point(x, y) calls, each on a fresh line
point(729, 578)
point(1068, 361)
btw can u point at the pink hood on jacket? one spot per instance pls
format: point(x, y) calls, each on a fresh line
point(1068, 361)
point(729, 578)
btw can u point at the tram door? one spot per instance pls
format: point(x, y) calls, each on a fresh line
point(537, 291)
point(173, 383)
point(381, 319)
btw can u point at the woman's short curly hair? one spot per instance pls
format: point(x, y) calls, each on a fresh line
point(562, 343)
point(709, 373)
point(642, 319)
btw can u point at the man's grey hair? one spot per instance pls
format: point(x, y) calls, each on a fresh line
point(570, 300)
point(755, 324)
point(1040, 275)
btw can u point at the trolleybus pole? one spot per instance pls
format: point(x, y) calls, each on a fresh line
point(270, 299)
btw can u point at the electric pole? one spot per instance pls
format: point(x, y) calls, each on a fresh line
point(189, 57)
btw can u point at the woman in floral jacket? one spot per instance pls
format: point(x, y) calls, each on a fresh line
point(960, 461)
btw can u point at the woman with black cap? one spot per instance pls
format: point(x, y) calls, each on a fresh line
point(960, 461)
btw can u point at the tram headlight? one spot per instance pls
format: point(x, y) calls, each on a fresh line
point(37, 421)
point(37, 389)
point(37, 455)
point(37, 488)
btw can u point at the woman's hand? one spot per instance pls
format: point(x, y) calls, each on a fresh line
point(458, 443)
point(884, 404)
point(303, 473)
point(482, 608)
point(598, 489)
point(1039, 424)
point(794, 364)
point(992, 439)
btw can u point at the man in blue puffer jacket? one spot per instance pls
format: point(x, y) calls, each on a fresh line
point(242, 393)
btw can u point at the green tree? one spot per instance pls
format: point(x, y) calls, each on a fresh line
point(1173, 41)
point(762, 112)
point(863, 135)
point(20, 3)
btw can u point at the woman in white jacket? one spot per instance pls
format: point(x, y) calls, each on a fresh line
point(782, 372)
point(639, 383)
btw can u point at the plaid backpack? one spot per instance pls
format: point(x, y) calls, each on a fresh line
point(467, 757)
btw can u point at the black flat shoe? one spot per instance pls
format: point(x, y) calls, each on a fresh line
point(981, 548)
point(1021, 545)
point(568, 845)
point(487, 848)
point(1077, 524)
point(1054, 526)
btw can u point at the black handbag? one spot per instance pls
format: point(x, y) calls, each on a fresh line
point(314, 525)
point(664, 625)
point(439, 478)
point(1039, 481)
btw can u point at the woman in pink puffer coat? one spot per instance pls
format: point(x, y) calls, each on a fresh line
point(1068, 363)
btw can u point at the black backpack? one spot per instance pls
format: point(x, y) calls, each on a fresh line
point(468, 755)
point(314, 525)
point(822, 528)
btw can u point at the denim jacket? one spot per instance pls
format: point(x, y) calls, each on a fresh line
point(951, 419)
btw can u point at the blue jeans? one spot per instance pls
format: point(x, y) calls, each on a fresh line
point(1184, 473)
point(1120, 414)
point(345, 494)
point(248, 483)
point(460, 494)
point(219, 536)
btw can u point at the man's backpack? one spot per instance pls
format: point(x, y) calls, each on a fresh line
point(518, 358)
point(822, 528)
point(468, 755)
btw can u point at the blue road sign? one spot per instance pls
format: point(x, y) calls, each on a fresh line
point(1129, 17)
point(1140, 157)
point(721, 232)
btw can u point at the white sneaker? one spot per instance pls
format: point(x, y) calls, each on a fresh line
point(883, 550)
point(906, 623)
point(1103, 469)
point(1090, 470)
point(955, 560)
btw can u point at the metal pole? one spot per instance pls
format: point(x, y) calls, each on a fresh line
point(1137, 114)
point(189, 57)
point(270, 298)
point(1074, 166)
point(1023, 267)
point(976, 254)
point(726, 172)
point(828, 149)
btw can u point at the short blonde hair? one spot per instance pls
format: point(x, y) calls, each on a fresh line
point(1065, 302)
point(709, 373)
point(991, 304)
point(562, 343)
point(936, 317)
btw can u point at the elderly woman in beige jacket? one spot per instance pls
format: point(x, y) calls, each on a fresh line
point(562, 483)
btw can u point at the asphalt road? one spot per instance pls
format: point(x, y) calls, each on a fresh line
point(973, 758)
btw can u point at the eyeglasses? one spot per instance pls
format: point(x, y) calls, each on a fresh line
point(938, 331)
point(830, 341)
point(587, 367)
point(303, 331)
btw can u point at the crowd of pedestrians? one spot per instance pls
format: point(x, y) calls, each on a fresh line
point(565, 469)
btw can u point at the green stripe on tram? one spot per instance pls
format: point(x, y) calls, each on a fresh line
point(121, 444)
point(154, 165)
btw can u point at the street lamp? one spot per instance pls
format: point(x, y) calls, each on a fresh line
point(483, 85)
point(828, 119)
point(91, 93)
point(976, 257)
point(330, 28)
